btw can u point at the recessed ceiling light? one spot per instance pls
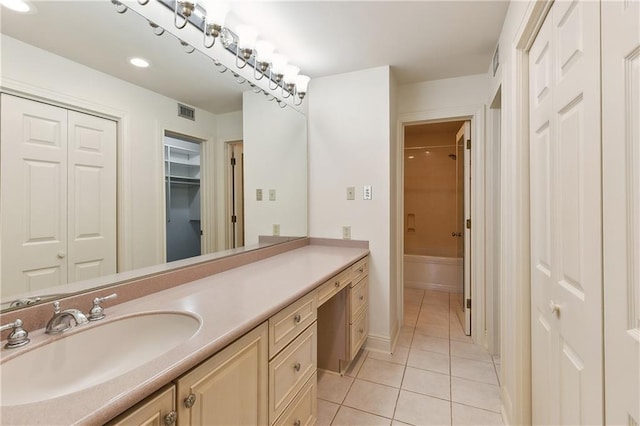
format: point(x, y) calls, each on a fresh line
point(16, 5)
point(139, 62)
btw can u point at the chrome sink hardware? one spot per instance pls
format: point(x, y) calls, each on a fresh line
point(27, 301)
point(97, 312)
point(18, 336)
point(64, 320)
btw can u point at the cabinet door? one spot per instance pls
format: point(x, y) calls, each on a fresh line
point(231, 387)
point(157, 410)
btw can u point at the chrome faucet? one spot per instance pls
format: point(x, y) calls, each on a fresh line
point(64, 320)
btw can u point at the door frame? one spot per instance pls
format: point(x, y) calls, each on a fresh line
point(475, 114)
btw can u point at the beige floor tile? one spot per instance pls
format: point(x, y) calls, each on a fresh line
point(469, 351)
point(382, 372)
point(429, 343)
point(326, 412)
point(350, 417)
point(427, 383)
point(457, 333)
point(406, 336)
point(372, 398)
point(433, 330)
point(474, 370)
point(464, 415)
point(435, 309)
point(413, 293)
point(431, 361)
point(476, 394)
point(398, 423)
point(419, 409)
point(333, 387)
point(432, 297)
point(356, 364)
point(429, 318)
point(399, 355)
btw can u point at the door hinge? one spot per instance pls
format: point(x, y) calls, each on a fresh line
point(468, 223)
point(233, 161)
point(468, 143)
point(234, 219)
point(468, 303)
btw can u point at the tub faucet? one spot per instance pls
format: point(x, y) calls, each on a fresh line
point(64, 320)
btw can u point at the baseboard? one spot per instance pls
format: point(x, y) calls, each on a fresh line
point(380, 344)
point(449, 288)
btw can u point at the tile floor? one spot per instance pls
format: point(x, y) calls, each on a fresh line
point(436, 376)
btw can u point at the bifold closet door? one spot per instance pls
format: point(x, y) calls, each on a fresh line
point(566, 218)
point(58, 191)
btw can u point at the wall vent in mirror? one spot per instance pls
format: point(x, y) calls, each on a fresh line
point(186, 112)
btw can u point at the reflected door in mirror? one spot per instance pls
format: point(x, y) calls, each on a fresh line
point(58, 195)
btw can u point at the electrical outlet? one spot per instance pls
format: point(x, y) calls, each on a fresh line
point(351, 192)
point(276, 229)
point(272, 195)
point(366, 192)
point(258, 194)
point(346, 232)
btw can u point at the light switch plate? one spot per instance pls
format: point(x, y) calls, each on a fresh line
point(367, 193)
point(258, 194)
point(276, 229)
point(351, 192)
point(346, 232)
point(272, 195)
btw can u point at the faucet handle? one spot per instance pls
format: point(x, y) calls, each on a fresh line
point(97, 312)
point(56, 307)
point(18, 336)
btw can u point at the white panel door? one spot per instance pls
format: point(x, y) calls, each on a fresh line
point(34, 194)
point(463, 140)
point(621, 208)
point(92, 197)
point(566, 220)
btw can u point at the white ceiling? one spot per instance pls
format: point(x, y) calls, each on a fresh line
point(421, 40)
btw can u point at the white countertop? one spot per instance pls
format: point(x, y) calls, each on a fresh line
point(229, 304)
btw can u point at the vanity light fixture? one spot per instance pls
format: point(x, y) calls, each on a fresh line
point(157, 29)
point(209, 17)
point(16, 5)
point(139, 62)
point(120, 8)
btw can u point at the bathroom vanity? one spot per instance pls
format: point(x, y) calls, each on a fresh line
point(265, 328)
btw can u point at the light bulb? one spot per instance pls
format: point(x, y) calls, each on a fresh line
point(246, 37)
point(278, 63)
point(290, 74)
point(302, 83)
point(264, 51)
point(217, 11)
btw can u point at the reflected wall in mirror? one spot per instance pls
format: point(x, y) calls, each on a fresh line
point(78, 62)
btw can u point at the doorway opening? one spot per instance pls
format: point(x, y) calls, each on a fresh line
point(235, 197)
point(182, 167)
point(436, 212)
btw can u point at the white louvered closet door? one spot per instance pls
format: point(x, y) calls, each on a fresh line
point(621, 208)
point(566, 219)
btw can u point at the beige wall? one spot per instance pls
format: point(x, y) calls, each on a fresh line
point(431, 193)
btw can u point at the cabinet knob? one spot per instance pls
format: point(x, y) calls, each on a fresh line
point(361, 270)
point(337, 284)
point(297, 319)
point(296, 423)
point(296, 366)
point(61, 254)
point(170, 419)
point(361, 330)
point(554, 308)
point(361, 297)
point(190, 400)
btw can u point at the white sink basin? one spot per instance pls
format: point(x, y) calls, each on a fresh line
point(92, 356)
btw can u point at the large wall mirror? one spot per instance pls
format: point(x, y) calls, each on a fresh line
point(112, 169)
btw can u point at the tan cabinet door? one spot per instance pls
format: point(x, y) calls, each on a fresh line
point(157, 410)
point(231, 387)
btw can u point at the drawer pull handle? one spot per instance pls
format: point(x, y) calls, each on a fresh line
point(297, 319)
point(337, 284)
point(190, 400)
point(361, 297)
point(170, 419)
point(361, 270)
point(296, 423)
point(296, 366)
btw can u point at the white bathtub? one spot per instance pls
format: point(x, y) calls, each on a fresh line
point(433, 273)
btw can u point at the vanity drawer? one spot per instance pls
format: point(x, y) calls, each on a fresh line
point(290, 370)
point(360, 269)
point(359, 332)
point(333, 286)
point(359, 298)
point(303, 410)
point(289, 322)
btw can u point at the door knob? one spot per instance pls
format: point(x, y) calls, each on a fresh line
point(61, 254)
point(554, 308)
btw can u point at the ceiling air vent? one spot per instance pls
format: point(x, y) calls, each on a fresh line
point(186, 112)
